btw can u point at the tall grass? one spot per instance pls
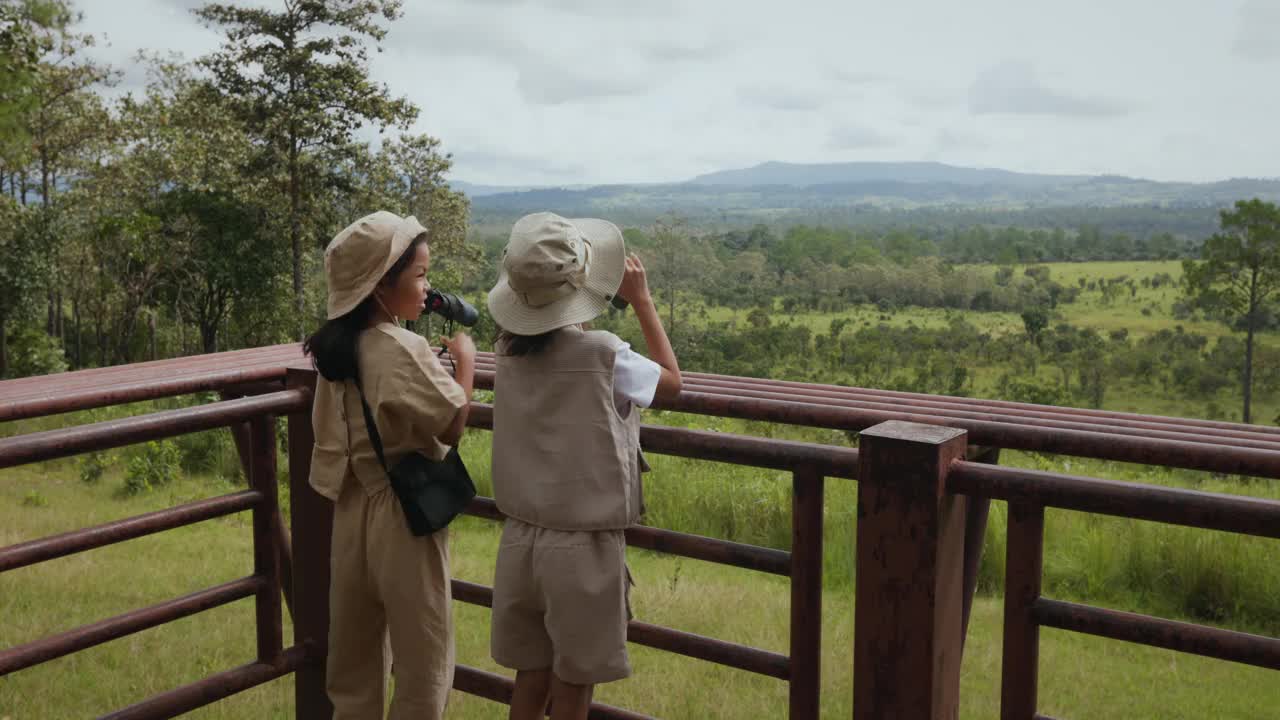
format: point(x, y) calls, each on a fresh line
point(1148, 567)
point(1081, 676)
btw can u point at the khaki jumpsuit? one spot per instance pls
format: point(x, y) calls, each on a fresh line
point(385, 583)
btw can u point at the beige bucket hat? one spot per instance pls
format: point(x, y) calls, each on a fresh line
point(556, 272)
point(358, 257)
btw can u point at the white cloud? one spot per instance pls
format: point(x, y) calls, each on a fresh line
point(782, 97)
point(546, 82)
point(1258, 37)
point(1013, 87)
point(584, 91)
point(612, 8)
point(856, 137)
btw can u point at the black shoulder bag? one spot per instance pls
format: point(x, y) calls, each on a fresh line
point(431, 492)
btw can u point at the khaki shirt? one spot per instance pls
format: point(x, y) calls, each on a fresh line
point(413, 399)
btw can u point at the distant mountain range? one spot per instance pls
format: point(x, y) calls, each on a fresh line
point(774, 189)
point(800, 175)
point(473, 190)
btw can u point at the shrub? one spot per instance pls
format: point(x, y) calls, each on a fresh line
point(32, 352)
point(33, 498)
point(212, 452)
point(155, 465)
point(92, 467)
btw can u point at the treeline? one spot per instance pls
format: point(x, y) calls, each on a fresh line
point(190, 217)
point(822, 269)
point(832, 269)
point(493, 214)
point(972, 244)
point(1054, 364)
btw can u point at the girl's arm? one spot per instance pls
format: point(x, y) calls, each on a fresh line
point(635, 290)
point(463, 351)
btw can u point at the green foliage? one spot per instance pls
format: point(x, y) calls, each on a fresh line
point(30, 30)
point(34, 499)
point(32, 352)
point(1031, 391)
point(1238, 276)
point(212, 452)
point(153, 465)
point(93, 466)
point(1034, 321)
point(298, 78)
point(23, 272)
point(407, 176)
point(227, 261)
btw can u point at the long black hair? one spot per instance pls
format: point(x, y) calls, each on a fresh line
point(333, 347)
point(509, 343)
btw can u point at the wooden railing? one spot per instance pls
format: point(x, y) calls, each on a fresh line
point(926, 472)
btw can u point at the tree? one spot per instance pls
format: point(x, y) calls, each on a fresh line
point(406, 176)
point(28, 29)
point(223, 261)
point(169, 217)
point(300, 81)
point(1034, 321)
point(677, 262)
point(1238, 275)
point(46, 114)
point(22, 271)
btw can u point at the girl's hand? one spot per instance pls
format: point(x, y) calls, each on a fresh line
point(635, 286)
point(461, 347)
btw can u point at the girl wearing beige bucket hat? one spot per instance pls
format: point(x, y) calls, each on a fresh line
point(389, 589)
point(566, 457)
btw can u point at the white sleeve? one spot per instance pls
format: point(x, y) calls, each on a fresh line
point(635, 379)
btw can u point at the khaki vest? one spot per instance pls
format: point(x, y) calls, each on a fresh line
point(563, 458)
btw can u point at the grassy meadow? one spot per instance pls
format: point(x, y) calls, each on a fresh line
point(1080, 676)
point(1143, 313)
point(1205, 577)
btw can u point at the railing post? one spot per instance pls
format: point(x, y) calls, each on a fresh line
point(266, 563)
point(909, 574)
point(240, 434)
point(312, 525)
point(1024, 558)
point(975, 535)
point(806, 593)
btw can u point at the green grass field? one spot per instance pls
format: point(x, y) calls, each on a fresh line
point(1090, 310)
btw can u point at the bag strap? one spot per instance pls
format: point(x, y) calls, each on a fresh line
point(371, 426)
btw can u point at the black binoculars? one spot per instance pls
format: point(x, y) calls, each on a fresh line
point(452, 308)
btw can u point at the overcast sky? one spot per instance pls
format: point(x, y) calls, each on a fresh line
point(608, 91)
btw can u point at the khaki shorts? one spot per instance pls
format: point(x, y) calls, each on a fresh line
point(560, 602)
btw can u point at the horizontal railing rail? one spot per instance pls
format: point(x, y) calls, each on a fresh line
point(1029, 493)
point(75, 541)
point(1174, 506)
point(103, 387)
point(273, 659)
point(54, 444)
point(922, 513)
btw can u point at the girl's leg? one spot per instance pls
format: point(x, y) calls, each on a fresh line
point(412, 577)
point(529, 701)
point(569, 701)
point(355, 676)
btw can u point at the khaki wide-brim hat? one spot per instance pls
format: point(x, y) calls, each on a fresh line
point(359, 256)
point(556, 272)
